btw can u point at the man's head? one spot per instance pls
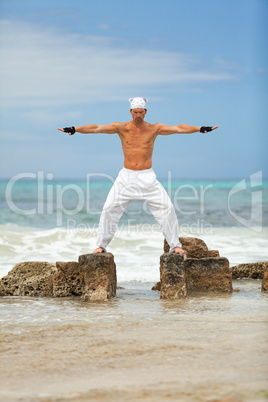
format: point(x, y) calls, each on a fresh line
point(138, 103)
point(138, 108)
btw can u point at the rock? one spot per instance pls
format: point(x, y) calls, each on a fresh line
point(208, 275)
point(28, 279)
point(157, 286)
point(68, 280)
point(172, 276)
point(195, 248)
point(252, 270)
point(213, 253)
point(92, 278)
point(264, 287)
point(99, 276)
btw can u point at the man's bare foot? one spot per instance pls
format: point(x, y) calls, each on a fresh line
point(98, 250)
point(179, 250)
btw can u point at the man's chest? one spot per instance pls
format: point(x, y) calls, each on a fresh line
point(138, 138)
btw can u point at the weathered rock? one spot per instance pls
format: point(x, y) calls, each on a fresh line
point(264, 287)
point(213, 253)
point(208, 275)
point(99, 276)
point(195, 248)
point(92, 278)
point(28, 279)
point(252, 270)
point(172, 276)
point(68, 280)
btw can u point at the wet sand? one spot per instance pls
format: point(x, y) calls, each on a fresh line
point(137, 347)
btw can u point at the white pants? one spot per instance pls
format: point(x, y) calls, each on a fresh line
point(138, 185)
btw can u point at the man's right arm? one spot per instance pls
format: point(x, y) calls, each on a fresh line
point(92, 129)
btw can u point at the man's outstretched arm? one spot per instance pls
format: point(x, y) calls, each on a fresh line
point(183, 129)
point(92, 129)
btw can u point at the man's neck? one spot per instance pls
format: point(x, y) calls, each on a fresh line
point(138, 124)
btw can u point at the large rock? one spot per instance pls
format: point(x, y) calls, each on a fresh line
point(264, 287)
point(208, 275)
point(92, 278)
point(252, 270)
point(28, 279)
point(194, 247)
point(172, 276)
point(99, 276)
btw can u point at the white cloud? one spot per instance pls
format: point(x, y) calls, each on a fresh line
point(46, 67)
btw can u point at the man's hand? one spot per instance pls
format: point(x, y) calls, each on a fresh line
point(206, 129)
point(70, 130)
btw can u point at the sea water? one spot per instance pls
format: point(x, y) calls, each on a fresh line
point(136, 346)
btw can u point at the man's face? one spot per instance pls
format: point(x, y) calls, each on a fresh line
point(138, 115)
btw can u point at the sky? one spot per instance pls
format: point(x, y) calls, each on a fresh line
point(66, 63)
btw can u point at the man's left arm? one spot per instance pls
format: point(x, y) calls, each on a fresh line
point(183, 129)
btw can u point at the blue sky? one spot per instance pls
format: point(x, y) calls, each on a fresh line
point(77, 62)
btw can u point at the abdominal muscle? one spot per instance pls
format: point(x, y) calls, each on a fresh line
point(138, 158)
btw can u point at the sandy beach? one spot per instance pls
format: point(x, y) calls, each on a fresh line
point(137, 347)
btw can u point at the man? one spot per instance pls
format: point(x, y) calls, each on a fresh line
point(137, 179)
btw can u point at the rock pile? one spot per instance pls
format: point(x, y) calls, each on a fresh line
point(202, 271)
point(93, 277)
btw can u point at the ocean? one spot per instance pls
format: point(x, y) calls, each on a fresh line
point(136, 346)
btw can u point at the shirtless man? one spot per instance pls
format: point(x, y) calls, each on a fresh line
point(137, 180)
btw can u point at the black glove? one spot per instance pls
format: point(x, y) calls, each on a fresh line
point(70, 130)
point(204, 129)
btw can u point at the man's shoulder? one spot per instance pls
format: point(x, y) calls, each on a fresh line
point(124, 125)
point(121, 124)
point(156, 127)
point(153, 125)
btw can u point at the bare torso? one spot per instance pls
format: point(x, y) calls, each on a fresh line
point(138, 144)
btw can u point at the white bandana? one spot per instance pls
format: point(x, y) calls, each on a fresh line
point(138, 103)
